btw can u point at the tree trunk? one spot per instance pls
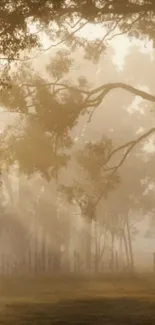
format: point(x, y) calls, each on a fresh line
point(126, 248)
point(88, 246)
point(96, 250)
point(103, 247)
point(112, 252)
point(130, 244)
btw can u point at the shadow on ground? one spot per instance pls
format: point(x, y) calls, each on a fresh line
point(93, 312)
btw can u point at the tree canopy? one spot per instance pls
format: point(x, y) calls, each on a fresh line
point(51, 109)
point(61, 18)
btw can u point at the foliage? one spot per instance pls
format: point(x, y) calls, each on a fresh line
point(57, 17)
point(60, 64)
point(95, 182)
point(46, 114)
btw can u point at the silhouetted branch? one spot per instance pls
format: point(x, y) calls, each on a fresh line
point(11, 59)
point(130, 145)
point(65, 38)
point(102, 90)
point(62, 85)
point(106, 88)
point(115, 25)
point(129, 27)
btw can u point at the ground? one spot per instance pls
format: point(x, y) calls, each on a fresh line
point(105, 300)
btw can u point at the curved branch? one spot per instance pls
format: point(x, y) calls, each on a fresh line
point(102, 90)
point(131, 145)
point(114, 169)
point(106, 88)
point(129, 27)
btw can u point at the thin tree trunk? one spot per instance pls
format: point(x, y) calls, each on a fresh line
point(126, 248)
point(130, 244)
point(104, 243)
point(96, 250)
point(88, 246)
point(116, 262)
point(121, 252)
point(112, 251)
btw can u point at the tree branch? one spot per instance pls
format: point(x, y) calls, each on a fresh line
point(106, 88)
point(102, 90)
point(11, 59)
point(130, 145)
point(62, 85)
point(65, 38)
point(129, 27)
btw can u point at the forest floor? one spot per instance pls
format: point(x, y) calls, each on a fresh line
point(99, 301)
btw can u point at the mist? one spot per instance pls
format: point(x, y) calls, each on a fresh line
point(77, 154)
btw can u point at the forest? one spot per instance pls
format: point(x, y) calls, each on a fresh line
point(77, 154)
point(76, 179)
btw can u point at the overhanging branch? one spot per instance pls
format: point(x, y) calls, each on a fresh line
point(103, 90)
point(100, 92)
point(129, 145)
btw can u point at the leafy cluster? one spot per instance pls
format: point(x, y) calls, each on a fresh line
point(136, 17)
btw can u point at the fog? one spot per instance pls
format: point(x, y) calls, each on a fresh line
point(62, 210)
point(43, 230)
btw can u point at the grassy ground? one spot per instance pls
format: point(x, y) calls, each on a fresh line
point(103, 301)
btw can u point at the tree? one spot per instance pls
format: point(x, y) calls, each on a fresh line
point(94, 182)
point(94, 177)
point(135, 18)
point(45, 115)
point(114, 14)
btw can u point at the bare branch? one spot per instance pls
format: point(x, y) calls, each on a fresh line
point(115, 25)
point(102, 90)
point(77, 22)
point(66, 38)
point(51, 84)
point(106, 88)
point(127, 29)
point(130, 146)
